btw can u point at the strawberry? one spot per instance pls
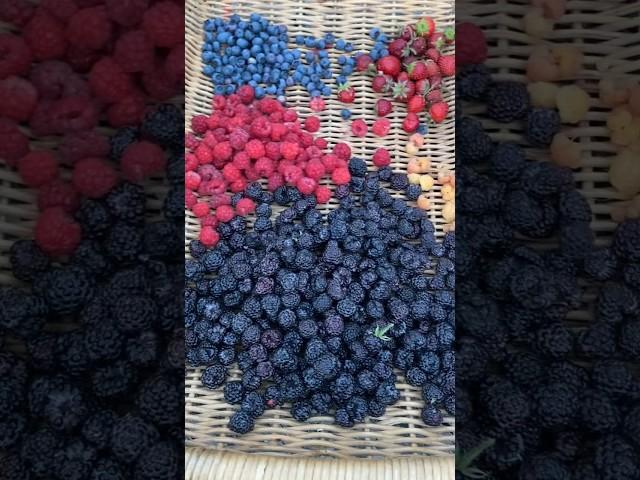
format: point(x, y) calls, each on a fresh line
point(408, 60)
point(363, 62)
point(346, 93)
point(397, 47)
point(408, 32)
point(433, 54)
point(389, 65)
point(447, 64)
point(438, 111)
point(419, 46)
point(434, 96)
point(435, 81)
point(449, 34)
point(404, 90)
point(425, 27)
point(432, 68)
point(402, 77)
point(417, 71)
point(416, 104)
point(437, 40)
point(422, 87)
point(380, 83)
point(383, 107)
point(411, 123)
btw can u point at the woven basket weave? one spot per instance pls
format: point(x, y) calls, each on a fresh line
point(400, 432)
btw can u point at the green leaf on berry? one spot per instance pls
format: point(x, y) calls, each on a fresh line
point(381, 332)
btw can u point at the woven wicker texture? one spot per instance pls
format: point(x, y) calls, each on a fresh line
point(608, 34)
point(400, 432)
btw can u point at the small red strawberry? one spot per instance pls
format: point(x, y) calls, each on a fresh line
point(449, 34)
point(403, 91)
point(432, 68)
point(433, 54)
point(437, 40)
point(438, 111)
point(447, 64)
point(422, 87)
point(408, 32)
point(397, 47)
point(426, 27)
point(363, 62)
point(408, 60)
point(417, 71)
point(434, 96)
point(435, 81)
point(410, 123)
point(402, 77)
point(416, 104)
point(346, 93)
point(383, 107)
point(389, 65)
point(380, 83)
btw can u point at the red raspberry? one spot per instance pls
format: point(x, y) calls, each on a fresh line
point(219, 102)
point(54, 79)
point(289, 150)
point(89, 28)
point(209, 172)
point(251, 175)
point(192, 180)
point(210, 139)
point(321, 143)
point(56, 232)
point(81, 59)
point(245, 206)
point(289, 115)
point(255, 149)
point(208, 236)
point(41, 123)
point(269, 105)
point(77, 145)
point(246, 94)
point(71, 114)
point(231, 173)
point(306, 185)
point(199, 124)
point(274, 181)
point(272, 151)
point(128, 111)
point(191, 142)
point(315, 169)
point(222, 151)
point(359, 127)
point(61, 9)
point(58, 194)
point(241, 160)
point(38, 168)
point(278, 131)
point(261, 127)
point(209, 221)
point(341, 176)
point(94, 177)
point(291, 174)
point(471, 44)
point(264, 167)
point(317, 104)
point(275, 117)
point(342, 151)
point(16, 12)
point(329, 161)
point(224, 213)
point(158, 84)
point(313, 152)
point(18, 98)
point(381, 127)
point(15, 56)
point(126, 12)
point(201, 209)
point(238, 186)
point(238, 139)
point(381, 157)
point(174, 65)
point(204, 154)
point(134, 52)
point(109, 81)
point(142, 159)
point(219, 199)
point(190, 162)
point(323, 194)
point(13, 143)
point(306, 139)
point(45, 37)
point(190, 199)
point(164, 24)
point(312, 124)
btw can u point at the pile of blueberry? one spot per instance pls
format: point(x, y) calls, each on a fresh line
point(317, 311)
point(97, 390)
point(541, 396)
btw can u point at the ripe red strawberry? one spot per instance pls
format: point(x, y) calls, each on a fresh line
point(433, 54)
point(437, 40)
point(435, 81)
point(403, 91)
point(408, 32)
point(363, 62)
point(346, 93)
point(434, 96)
point(417, 71)
point(438, 111)
point(422, 87)
point(383, 107)
point(411, 122)
point(416, 104)
point(432, 68)
point(426, 27)
point(380, 83)
point(447, 64)
point(449, 34)
point(397, 47)
point(389, 65)
point(402, 77)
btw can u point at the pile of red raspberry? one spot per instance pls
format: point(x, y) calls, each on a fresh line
point(71, 66)
point(246, 140)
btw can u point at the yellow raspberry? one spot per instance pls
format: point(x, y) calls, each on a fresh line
point(541, 66)
point(417, 139)
point(448, 192)
point(613, 91)
point(449, 227)
point(553, 9)
point(543, 94)
point(424, 164)
point(414, 178)
point(624, 173)
point(535, 25)
point(423, 202)
point(564, 152)
point(569, 60)
point(426, 182)
point(449, 211)
point(573, 104)
point(619, 118)
point(412, 148)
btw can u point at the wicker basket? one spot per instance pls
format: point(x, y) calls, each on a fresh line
point(280, 446)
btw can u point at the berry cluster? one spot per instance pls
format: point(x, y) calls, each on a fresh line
point(245, 140)
point(100, 397)
point(413, 70)
point(317, 311)
point(70, 69)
